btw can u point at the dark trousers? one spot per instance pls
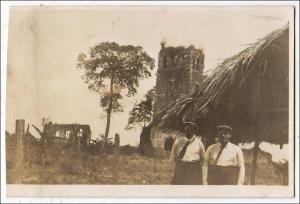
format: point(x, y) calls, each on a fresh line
point(222, 175)
point(187, 173)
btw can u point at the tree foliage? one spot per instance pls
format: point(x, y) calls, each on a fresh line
point(112, 67)
point(124, 65)
point(142, 112)
point(105, 99)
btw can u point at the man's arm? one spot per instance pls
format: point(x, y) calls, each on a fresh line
point(241, 176)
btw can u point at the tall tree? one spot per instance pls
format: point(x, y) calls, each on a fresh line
point(142, 112)
point(112, 67)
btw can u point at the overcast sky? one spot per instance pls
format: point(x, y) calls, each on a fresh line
point(44, 44)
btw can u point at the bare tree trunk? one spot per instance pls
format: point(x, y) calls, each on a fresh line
point(144, 114)
point(109, 110)
point(254, 162)
point(116, 158)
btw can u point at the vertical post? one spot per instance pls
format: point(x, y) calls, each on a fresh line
point(116, 157)
point(42, 155)
point(254, 162)
point(20, 128)
point(43, 145)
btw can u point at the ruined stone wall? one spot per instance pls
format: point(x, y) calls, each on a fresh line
point(69, 132)
point(158, 140)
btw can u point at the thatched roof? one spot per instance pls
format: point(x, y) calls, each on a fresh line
point(248, 91)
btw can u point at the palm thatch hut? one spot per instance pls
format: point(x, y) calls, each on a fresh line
point(249, 91)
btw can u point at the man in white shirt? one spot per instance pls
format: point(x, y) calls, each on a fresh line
point(187, 157)
point(224, 161)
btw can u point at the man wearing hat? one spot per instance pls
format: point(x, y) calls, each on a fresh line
point(224, 161)
point(187, 157)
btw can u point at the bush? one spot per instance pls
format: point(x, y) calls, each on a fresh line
point(128, 150)
point(70, 166)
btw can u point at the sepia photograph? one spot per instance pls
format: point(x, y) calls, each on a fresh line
point(157, 96)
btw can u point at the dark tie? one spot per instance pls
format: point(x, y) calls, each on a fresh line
point(219, 154)
point(183, 150)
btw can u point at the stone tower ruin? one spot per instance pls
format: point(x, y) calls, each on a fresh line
point(179, 69)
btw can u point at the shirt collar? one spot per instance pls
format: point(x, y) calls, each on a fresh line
point(227, 145)
point(190, 140)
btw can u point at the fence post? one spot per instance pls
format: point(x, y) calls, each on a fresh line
point(254, 162)
point(20, 127)
point(116, 157)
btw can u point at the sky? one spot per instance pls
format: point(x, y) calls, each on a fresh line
point(44, 43)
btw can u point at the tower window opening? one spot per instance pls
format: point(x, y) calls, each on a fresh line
point(165, 62)
point(172, 86)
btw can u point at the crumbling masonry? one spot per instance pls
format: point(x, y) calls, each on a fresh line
point(179, 70)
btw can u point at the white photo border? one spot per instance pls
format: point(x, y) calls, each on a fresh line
point(155, 189)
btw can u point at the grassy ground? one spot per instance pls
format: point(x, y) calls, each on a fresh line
point(63, 166)
point(133, 169)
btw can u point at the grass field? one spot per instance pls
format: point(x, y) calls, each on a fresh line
point(66, 166)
